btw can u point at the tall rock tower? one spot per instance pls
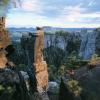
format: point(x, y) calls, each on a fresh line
point(4, 38)
point(40, 65)
point(4, 42)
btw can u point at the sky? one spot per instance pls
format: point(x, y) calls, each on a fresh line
point(56, 13)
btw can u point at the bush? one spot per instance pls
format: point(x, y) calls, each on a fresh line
point(94, 60)
point(74, 87)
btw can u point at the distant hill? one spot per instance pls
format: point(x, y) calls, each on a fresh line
point(23, 29)
point(16, 33)
point(47, 29)
point(53, 29)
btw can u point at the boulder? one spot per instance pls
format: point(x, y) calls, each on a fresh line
point(53, 87)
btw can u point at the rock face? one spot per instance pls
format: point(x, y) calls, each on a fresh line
point(4, 42)
point(87, 48)
point(53, 87)
point(4, 38)
point(8, 76)
point(40, 65)
point(3, 59)
point(98, 42)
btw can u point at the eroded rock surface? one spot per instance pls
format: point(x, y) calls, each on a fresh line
point(4, 38)
point(98, 42)
point(40, 65)
point(4, 42)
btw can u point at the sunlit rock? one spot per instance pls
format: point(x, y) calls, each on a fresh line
point(40, 65)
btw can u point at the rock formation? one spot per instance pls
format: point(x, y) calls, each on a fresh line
point(87, 48)
point(98, 42)
point(4, 42)
point(4, 38)
point(3, 59)
point(40, 65)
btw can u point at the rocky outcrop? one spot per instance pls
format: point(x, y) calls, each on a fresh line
point(13, 85)
point(33, 45)
point(87, 48)
point(89, 81)
point(3, 59)
point(4, 38)
point(4, 42)
point(8, 76)
point(98, 42)
point(40, 65)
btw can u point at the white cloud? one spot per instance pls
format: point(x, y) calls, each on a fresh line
point(91, 3)
point(27, 20)
point(70, 16)
point(27, 5)
point(30, 5)
point(78, 17)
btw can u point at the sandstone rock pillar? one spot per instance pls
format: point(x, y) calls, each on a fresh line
point(40, 65)
point(4, 38)
point(4, 42)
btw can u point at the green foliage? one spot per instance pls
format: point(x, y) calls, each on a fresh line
point(52, 72)
point(2, 88)
point(95, 59)
point(61, 70)
point(62, 33)
point(54, 56)
point(74, 87)
point(18, 55)
point(10, 89)
point(65, 35)
point(74, 43)
point(73, 61)
point(5, 2)
point(22, 67)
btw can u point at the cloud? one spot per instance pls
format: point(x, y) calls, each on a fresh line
point(78, 16)
point(30, 5)
point(55, 13)
point(71, 14)
point(91, 3)
point(27, 6)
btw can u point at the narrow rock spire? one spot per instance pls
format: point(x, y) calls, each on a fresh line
point(40, 65)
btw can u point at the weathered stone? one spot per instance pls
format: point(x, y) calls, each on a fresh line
point(53, 87)
point(40, 65)
point(40, 96)
point(4, 42)
point(98, 42)
point(3, 59)
point(39, 45)
point(8, 76)
point(4, 38)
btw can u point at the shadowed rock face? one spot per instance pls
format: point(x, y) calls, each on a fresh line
point(3, 59)
point(98, 42)
point(89, 81)
point(40, 65)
